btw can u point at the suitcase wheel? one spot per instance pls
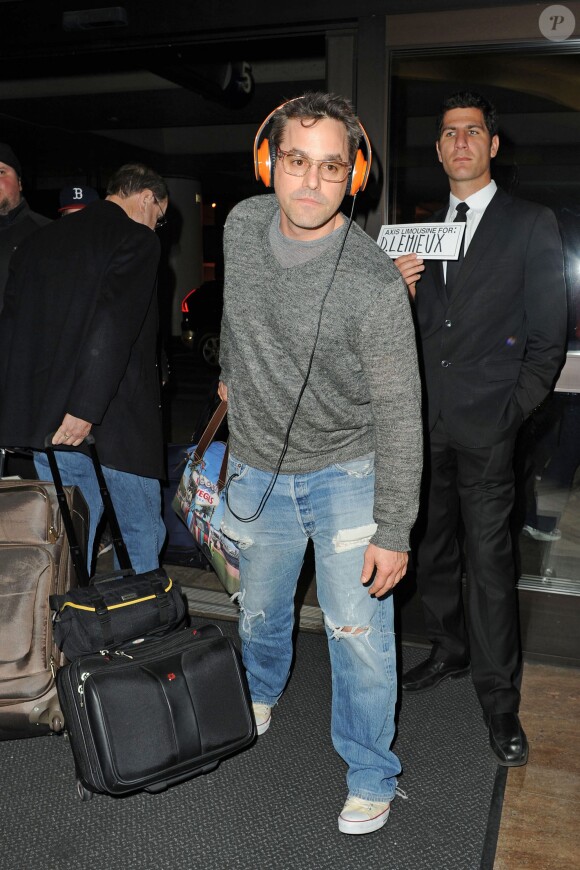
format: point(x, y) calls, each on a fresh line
point(83, 793)
point(57, 723)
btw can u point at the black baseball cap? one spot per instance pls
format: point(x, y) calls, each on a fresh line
point(77, 197)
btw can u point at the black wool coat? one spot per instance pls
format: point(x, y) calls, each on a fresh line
point(78, 335)
point(14, 228)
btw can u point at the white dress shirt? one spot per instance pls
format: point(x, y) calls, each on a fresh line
point(477, 202)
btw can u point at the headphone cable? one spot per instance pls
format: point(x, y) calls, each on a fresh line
point(285, 445)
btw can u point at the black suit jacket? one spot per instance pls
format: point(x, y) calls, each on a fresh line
point(492, 351)
point(78, 335)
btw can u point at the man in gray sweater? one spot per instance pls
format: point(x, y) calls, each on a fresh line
point(319, 369)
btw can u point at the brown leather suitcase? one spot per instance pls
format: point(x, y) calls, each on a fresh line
point(35, 563)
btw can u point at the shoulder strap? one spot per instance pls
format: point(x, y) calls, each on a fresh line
point(210, 430)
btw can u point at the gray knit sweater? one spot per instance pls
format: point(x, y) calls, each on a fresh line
point(363, 393)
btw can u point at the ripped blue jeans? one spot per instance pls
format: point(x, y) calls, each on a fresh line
point(334, 507)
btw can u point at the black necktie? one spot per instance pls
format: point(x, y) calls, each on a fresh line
point(453, 266)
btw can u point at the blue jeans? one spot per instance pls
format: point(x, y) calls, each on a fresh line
point(334, 507)
point(137, 502)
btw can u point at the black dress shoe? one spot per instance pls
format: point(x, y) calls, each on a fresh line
point(507, 739)
point(430, 673)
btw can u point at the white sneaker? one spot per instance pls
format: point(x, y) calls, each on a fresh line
point(539, 535)
point(360, 816)
point(263, 717)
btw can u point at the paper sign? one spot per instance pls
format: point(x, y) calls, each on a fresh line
point(429, 241)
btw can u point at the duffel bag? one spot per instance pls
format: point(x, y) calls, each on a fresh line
point(198, 502)
point(108, 613)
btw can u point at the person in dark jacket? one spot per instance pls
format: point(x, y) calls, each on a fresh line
point(78, 353)
point(17, 220)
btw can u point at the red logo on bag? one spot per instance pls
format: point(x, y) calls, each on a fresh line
point(171, 677)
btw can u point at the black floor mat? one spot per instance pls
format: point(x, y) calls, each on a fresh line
point(272, 807)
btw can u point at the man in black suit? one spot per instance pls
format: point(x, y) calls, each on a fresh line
point(78, 339)
point(492, 333)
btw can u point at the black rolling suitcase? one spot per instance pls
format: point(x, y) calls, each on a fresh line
point(154, 714)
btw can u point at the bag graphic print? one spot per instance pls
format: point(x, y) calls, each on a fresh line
point(199, 503)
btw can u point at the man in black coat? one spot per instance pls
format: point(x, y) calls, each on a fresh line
point(78, 353)
point(17, 221)
point(492, 331)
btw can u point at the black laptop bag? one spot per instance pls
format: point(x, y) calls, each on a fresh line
point(155, 713)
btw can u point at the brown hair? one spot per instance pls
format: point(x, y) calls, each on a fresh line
point(314, 106)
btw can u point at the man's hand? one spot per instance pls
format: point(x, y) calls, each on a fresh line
point(222, 391)
point(72, 431)
point(391, 566)
point(410, 266)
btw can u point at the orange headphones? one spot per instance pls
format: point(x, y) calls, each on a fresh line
point(265, 158)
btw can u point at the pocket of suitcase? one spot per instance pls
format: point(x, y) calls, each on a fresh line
point(28, 701)
point(26, 514)
point(171, 712)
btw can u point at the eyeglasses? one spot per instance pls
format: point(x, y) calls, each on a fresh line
point(298, 164)
point(162, 220)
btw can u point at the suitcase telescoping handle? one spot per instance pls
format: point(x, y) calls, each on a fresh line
point(76, 554)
